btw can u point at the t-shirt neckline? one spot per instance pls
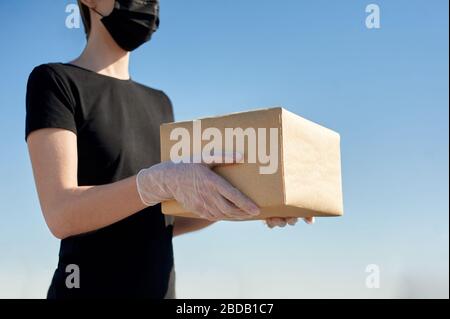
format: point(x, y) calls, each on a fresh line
point(99, 74)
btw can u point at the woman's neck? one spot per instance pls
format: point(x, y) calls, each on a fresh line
point(104, 57)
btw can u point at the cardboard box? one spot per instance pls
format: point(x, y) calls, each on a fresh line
point(304, 181)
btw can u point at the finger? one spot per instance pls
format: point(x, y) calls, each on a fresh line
point(292, 220)
point(207, 213)
point(282, 222)
point(236, 197)
point(309, 220)
point(228, 209)
point(222, 209)
point(201, 209)
point(276, 221)
point(270, 223)
point(213, 212)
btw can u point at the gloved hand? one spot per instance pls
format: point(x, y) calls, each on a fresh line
point(281, 222)
point(197, 188)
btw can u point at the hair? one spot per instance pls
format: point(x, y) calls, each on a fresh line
point(85, 17)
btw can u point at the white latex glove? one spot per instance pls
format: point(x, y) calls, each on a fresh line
point(281, 222)
point(197, 188)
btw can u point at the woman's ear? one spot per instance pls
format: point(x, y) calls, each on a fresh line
point(105, 7)
point(89, 3)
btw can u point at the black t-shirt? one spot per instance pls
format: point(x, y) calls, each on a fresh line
point(117, 127)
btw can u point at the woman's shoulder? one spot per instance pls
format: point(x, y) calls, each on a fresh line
point(51, 67)
point(48, 71)
point(147, 88)
point(161, 98)
point(154, 91)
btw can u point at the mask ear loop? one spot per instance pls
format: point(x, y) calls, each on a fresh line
point(95, 10)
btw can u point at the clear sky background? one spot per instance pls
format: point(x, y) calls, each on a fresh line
point(385, 91)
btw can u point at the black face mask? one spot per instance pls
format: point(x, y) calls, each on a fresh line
point(132, 22)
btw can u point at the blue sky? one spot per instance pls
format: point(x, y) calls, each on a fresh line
point(385, 91)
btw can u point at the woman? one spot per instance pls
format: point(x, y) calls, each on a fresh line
point(93, 139)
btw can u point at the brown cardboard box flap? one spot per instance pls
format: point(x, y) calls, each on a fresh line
point(311, 165)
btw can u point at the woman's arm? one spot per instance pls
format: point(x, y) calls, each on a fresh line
point(70, 209)
point(183, 225)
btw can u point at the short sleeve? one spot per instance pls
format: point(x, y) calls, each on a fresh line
point(48, 102)
point(168, 107)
